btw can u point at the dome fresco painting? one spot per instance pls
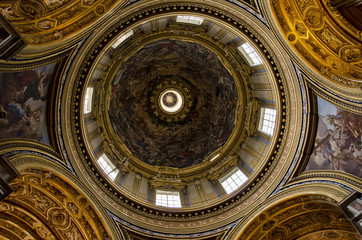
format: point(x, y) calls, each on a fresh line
point(203, 129)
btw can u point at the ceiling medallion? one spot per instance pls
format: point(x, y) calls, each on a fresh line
point(172, 100)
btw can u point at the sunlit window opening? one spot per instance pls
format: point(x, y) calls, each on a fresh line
point(267, 120)
point(253, 55)
point(122, 38)
point(233, 180)
point(190, 19)
point(107, 166)
point(168, 199)
point(88, 100)
point(355, 207)
point(171, 101)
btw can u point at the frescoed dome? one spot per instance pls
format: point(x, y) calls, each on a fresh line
point(167, 108)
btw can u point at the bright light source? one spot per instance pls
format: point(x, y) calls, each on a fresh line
point(233, 180)
point(171, 101)
point(88, 100)
point(122, 38)
point(252, 56)
point(168, 199)
point(212, 159)
point(107, 166)
point(189, 19)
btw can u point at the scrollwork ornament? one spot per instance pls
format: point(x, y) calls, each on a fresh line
point(324, 41)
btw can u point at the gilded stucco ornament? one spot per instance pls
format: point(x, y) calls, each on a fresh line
point(52, 24)
point(294, 218)
point(320, 35)
point(251, 117)
point(45, 206)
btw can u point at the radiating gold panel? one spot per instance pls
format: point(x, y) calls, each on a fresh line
point(304, 217)
point(43, 22)
point(320, 35)
point(45, 206)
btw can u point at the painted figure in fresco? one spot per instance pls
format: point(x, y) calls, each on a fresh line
point(22, 103)
point(338, 142)
point(25, 122)
point(34, 86)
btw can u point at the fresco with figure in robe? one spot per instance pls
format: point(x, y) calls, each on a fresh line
point(338, 144)
point(23, 98)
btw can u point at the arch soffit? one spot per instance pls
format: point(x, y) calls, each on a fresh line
point(310, 32)
point(292, 203)
point(53, 192)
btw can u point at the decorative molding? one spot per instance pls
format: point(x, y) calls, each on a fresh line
point(19, 65)
point(315, 193)
point(45, 22)
point(336, 101)
point(64, 211)
point(9, 145)
point(340, 177)
point(128, 229)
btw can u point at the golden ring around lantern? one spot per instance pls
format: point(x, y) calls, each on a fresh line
point(183, 99)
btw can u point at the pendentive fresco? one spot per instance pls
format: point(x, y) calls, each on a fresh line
point(338, 144)
point(23, 100)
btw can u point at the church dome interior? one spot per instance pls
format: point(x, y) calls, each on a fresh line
point(134, 125)
point(176, 119)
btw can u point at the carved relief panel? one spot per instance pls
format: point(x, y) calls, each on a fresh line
point(323, 38)
point(45, 206)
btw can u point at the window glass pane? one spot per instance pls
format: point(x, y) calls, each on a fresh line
point(107, 166)
point(252, 54)
point(88, 100)
point(234, 181)
point(190, 19)
point(122, 38)
point(267, 122)
point(168, 198)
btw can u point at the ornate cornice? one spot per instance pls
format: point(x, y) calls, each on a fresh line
point(315, 193)
point(339, 177)
point(20, 65)
point(336, 101)
point(16, 144)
